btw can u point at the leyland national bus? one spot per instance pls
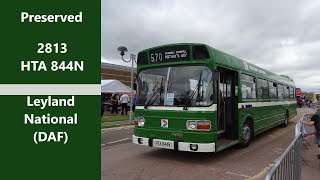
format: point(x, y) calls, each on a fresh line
point(192, 97)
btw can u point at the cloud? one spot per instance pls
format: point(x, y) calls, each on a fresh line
point(282, 37)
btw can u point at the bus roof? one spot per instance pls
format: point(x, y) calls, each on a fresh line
point(228, 60)
point(232, 62)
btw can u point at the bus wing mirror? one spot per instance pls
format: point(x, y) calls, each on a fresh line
point(215, 75)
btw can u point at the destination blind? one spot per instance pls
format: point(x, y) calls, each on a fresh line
point(169, 54)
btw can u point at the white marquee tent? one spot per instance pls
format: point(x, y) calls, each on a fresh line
point(113, 86)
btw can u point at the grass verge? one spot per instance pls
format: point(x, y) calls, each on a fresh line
point(110, 126)
point(115, 118)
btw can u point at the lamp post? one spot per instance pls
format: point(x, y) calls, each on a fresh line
point(122, 51)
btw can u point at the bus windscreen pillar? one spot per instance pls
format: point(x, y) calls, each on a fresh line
point(50, 89)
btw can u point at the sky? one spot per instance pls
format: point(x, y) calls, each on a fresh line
point(280, 36)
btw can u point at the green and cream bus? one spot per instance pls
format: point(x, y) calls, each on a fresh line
point(192, 97)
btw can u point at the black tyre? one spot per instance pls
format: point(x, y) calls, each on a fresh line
point(247, 134)
point(286, 120)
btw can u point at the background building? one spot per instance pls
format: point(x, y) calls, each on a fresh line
point(111, 72)
point(117, 72)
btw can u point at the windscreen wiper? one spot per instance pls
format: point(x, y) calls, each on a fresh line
point(185, 107)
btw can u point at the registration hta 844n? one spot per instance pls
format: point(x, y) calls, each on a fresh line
point(192, 97)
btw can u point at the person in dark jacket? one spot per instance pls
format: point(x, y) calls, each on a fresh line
point(114, 103)
point(315, 121)
point(134, 103)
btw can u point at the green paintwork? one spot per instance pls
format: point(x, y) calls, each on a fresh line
point(266, 117)
point(177, 124)
point(263, 118)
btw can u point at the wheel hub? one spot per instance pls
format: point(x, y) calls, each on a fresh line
point(246, 133)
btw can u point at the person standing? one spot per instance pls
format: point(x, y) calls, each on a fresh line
point(124, 99)
point(134, 103)
point(315, 121)
point(299, 102)
point(114, 103)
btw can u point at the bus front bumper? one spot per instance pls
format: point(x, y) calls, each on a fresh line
point(180, 146)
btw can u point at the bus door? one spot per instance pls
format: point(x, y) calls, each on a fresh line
point(227, 121)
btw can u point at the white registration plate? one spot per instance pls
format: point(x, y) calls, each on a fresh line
point(163, 144)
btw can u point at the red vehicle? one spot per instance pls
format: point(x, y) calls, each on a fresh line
point(298, 92)
point(298, 97)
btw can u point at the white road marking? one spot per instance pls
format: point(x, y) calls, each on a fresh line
point(219, 171)
point(118, 141)
point(116, 129)
point(236, 174)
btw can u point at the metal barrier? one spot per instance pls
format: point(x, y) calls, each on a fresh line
point(288, 166)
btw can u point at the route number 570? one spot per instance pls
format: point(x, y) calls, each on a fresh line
point(52, 48)
point(155, 57)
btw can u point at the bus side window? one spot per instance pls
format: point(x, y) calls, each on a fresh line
point(286, 92)
point(291, 93)
point(248, 86)
point(280, 91)
point(262, 89)
point(272, 90)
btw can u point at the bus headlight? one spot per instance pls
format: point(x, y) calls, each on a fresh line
point(141, 121)
point(191, 125)
point(199, 125)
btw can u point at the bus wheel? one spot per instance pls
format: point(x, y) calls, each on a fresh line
point(246, 134)
point(286, 119)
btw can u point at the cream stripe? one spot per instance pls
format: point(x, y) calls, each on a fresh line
point(214, 106)
point(211, 108)
point(262, 104)
point(50, 89)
